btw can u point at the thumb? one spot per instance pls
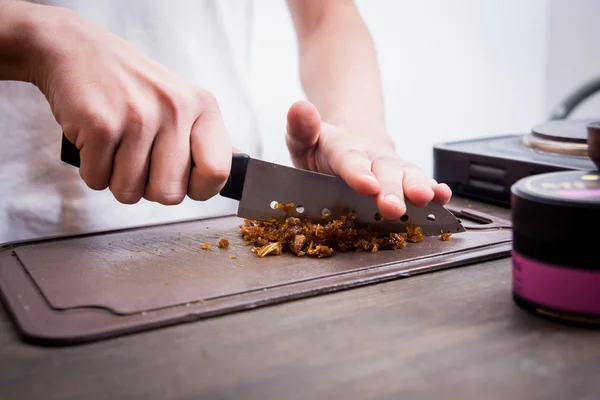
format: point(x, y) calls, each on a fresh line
point(303, 130)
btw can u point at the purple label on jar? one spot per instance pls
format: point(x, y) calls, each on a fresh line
point(556, 287)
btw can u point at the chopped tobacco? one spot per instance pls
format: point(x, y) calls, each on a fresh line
point(274, 248)
point(445, 237)
point(293, 235)
point(288, 208)
point(415, 234)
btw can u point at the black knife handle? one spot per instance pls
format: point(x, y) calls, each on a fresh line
point(235, 183)
point(69, 153)
point(233, 188)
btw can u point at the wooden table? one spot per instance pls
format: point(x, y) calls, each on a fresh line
point(453, 334)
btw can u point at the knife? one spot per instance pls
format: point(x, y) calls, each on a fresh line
point(259, 185)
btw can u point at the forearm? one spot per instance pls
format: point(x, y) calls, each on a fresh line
point(339, 70)
point(17, 48)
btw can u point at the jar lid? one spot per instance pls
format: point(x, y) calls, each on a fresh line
point(556, 218)
point(566, 188)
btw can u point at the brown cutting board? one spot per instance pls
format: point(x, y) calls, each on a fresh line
point(85, 288)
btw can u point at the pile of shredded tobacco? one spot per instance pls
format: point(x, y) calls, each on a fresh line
point(320, 240)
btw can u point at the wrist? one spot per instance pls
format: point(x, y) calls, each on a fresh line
point(27, 40)
point(17, 37)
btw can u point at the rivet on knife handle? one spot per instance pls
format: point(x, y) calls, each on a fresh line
point(69, 154)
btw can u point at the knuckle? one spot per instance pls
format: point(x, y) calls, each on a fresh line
point(180, 104)
point(213, 173)
point(93, 181)
point(387, 159)
point(169, 101)
point(202, 195)
point(391, 185)
point(127, 196)
point(169, 199)
point(140, 119)
point(218, 175)
point(96, 184)
point(165, 194)
point(208, 180)
point(392, 164)
point(409, 167)
point(105, 128)
point(71, 130)
point(206, 99)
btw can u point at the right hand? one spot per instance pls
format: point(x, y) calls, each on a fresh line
point(136, 123)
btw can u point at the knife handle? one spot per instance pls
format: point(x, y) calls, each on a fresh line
point(69, 153)
point(237, 176)
point(233, 188)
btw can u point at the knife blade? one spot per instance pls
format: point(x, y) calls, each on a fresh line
point(259, 185)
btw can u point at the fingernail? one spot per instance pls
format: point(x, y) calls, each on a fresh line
point(433, 182)
point(392, 198)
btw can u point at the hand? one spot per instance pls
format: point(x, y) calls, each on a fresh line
point(367, 162)
point(137, 124)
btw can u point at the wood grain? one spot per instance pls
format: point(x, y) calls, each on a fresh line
point(451, 334)
point(454, 334)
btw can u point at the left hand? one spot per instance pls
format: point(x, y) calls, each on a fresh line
point(366, 161)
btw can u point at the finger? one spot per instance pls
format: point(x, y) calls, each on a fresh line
point(303, 129)
point(211, 151)
point(96, 155)
point(390, 200)
point(417, 187)
point(131, 168)
point(170, 164)
point(442, 192)
point(354, 167)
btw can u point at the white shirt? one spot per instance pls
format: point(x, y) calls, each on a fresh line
point(205, 41)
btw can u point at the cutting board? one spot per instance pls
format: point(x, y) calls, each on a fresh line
point(83, 288)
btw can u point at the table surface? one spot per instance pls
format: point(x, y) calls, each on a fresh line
point(454, 334)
